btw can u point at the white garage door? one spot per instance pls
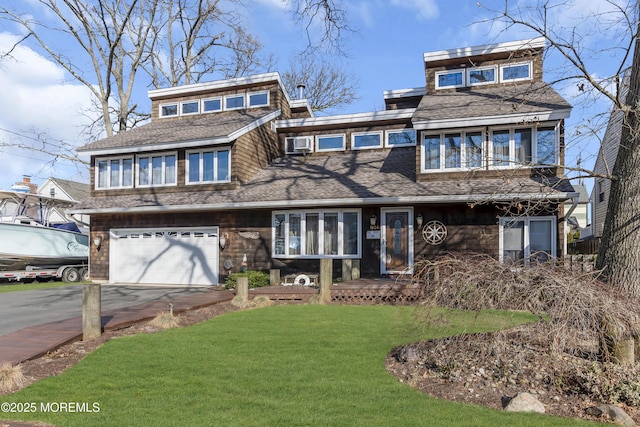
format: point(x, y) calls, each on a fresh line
point(182, 256)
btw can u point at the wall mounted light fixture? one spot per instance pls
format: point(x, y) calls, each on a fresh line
point(373, 220)
point(223, 240)
point(419, 220)
point(97, 241)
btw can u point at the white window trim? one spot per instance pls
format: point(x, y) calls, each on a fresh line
point(337, 135)
point(164, 170)
point(226, 97)
point(321, 213)
point(213, 98)
point(248, 101)
point(527, 243)
point(109, 160)
point(390, 132)
point(492, 67)
point(192, 101)
point(516, 64)
point(368, 147)
point(513, 162)
point(440, 73)
point(201, 181)
point(463, 150)
point(168, 104)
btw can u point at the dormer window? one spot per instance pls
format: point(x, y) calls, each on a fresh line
point(450, 79)
point(233, 102)
point(169, 110)
point(515, 72)
point(190, 107)
point(210, 105)
point(482, 76)
point(366, 140)
point(259, 99)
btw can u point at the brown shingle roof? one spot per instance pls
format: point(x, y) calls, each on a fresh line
point(343, 178)
point(190, 128)
point(478, 102)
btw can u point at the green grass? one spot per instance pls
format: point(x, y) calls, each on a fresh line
point(288, 365)
point(16, 287)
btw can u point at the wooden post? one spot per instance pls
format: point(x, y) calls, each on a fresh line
point(274, 277)
point(91, 311)
point(242, 289)
point(355, 269)
point(326, 279)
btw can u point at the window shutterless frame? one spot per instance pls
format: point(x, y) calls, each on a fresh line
point(366, 140)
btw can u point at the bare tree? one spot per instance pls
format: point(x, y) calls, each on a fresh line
point(325, 23)
point(326, 85)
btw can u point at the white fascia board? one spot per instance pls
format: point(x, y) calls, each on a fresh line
point(302, 103)
point(185, 144)
point(510, 119)
point(216, 84)
point(406, 113)
point(464, 52)
point(299, 204)
point(404, 93)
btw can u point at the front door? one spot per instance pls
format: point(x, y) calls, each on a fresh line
point(396, 246)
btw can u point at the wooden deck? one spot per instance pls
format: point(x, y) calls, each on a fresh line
point(359, 291)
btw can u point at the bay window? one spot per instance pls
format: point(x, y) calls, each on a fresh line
point(317, 234)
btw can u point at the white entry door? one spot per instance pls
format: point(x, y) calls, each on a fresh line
point(175, 256)
point(396, 245)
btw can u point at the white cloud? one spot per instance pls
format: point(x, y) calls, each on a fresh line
point(427, 9)
point(36, 98)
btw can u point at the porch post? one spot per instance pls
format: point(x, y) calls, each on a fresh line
point(326, 278)
point(91, 311)
point(274, 277)
point(347, 270)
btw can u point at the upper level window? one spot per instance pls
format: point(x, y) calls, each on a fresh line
point(396, 138)
point(515, 72)
point(169, 110)
point(208, 166)
point(524, 146)
point(233, 102)
point(452, 150)
point(114, 172)
point(330, 142)
point(258, 99)
point(157, 170)
point(366, 140)
point(448, 79)
point(482, 75)
point(190, 107)
point(211, 104)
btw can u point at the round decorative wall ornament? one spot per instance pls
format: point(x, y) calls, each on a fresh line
point(434, 232)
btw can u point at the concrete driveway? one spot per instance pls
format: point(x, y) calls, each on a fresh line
point(29, 308)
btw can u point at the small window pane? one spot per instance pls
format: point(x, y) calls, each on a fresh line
point(452, 150)
point(156, 165)
point(234, 102)
point(143, 172)
point(515, 72)
point(312, 222)
point(367, 140)
point(212, 104)
point(406, 137)
point(103, 173)
point(295, 227)
point(258, 99)
point(330, 142)
point(127, 172)
point(500, 140)
point(331, 233)
point(540, 239)
point(513, 243)
point(523, 141)
point(482, 76)
point(451, 79)
point(169, 110)
point(194, 167)
point(474, 149)
point(207, 166)
point(170, 169)
point(350, 233)
point(223, 165)
point(279, 225)
point(115, 173)
point(547, 146)
point(190, 107)
point(432, 152)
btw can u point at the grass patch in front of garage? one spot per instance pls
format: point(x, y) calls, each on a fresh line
point(19, 286)
point(282, 365)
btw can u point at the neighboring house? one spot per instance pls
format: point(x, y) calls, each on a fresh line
point(66, 190)
point(234, 172)
point(579, 216)
point(605, 161)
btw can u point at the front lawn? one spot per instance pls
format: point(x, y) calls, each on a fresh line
point(19, 286)
point(287, 365)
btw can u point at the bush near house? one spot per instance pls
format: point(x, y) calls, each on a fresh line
point(257, 279)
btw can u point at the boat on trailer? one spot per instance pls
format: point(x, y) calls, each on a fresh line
point(32, 247)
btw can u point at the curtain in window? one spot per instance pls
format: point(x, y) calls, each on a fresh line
point(279, 225)
point(115, 173)
point(143, 173)
point(103, 173)
point(312, 222)
point(170, 169)
point(500, 140)
point(156, 170)
point(127, 172)
point(523, 145)
point(295, 225)
point(350, 233)
point(513, 243)
point(331, 233)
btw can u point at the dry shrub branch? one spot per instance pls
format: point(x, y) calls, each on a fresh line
point(578, 313)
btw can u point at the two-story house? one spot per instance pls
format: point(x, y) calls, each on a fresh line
point(235, 173)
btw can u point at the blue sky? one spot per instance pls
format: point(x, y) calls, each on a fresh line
point(385, 53)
